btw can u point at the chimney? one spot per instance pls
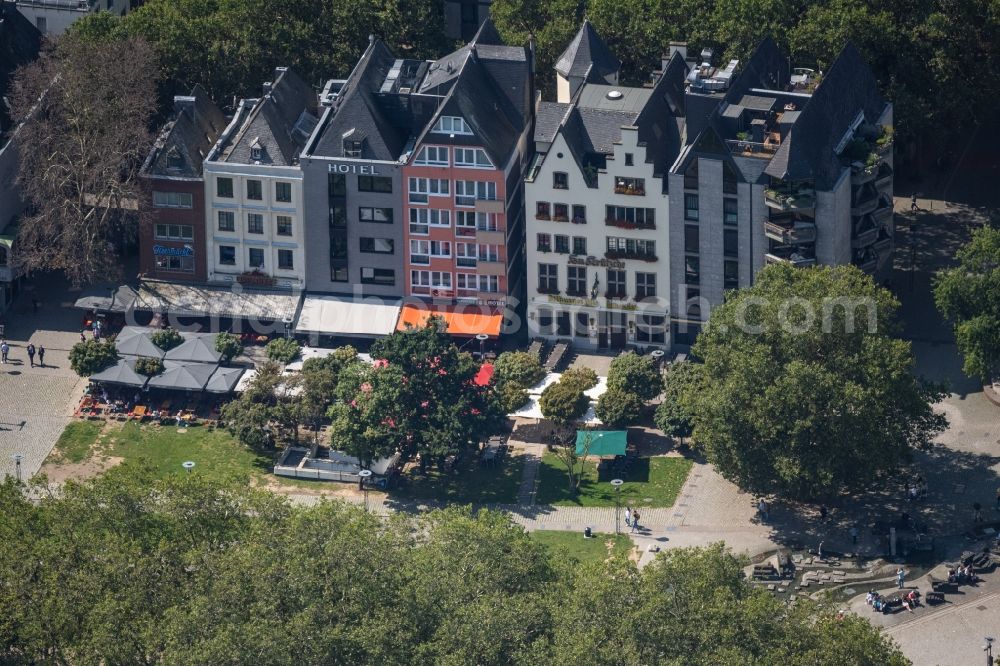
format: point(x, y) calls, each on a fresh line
point(371, 39)
point(706, 55)
point(267, 88)
point(677, 47)
point(757, 126)
point(183, 103)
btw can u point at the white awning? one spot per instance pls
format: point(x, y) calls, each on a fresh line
point(237, 301)
point(346, 316)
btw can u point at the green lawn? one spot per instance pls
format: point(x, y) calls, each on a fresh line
point(652, 482)
point(572, 545)
point(76, 440)
point(471, 483)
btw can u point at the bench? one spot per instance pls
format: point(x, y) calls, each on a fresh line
point(934, 598)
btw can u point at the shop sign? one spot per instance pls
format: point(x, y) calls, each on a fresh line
point(493, 302)
point(363, 169)
point(257, 279)
point(619, 305)
point(580, 260)
point(564, 300)
point(164, 251)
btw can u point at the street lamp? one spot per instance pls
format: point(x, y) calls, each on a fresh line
point(617, 483)
point(365, 474)
point(188, 465)
point(482, 337)
point(17, 458)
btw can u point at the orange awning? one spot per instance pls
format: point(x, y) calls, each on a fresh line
point(462, 321)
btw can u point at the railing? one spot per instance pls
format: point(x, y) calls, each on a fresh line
point(420, 229)
point(861, 173)
point(579, 220)
point(420, 259)
point(883, 244)
point(865, 205)
point(799, 232)
point(560, 218)
point(794, 259)
point(751, 148)
point(790, 200)
point(630, 191)
point(543, 216)
point(466, 262)
point(625, 224)
point(865, 238)
point(465, 231)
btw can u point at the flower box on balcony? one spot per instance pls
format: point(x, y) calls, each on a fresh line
point(540, 216)
point(615, 294)
point(625, 224)
point(577, 293)
point(544, 249)
point(560, 218)
point(631, 191)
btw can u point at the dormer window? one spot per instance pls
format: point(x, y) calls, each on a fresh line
point(451, 125)
point(256, 150)
point(174, 159)
point(352, 142)
point(352, 148)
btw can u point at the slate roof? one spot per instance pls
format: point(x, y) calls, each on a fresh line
point(548, 117)
point(808, 150)
point(188, 137)
point(280, 122)
point(19, 44)
point(588, 56)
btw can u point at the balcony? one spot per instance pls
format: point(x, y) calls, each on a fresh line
point(803, 199)
point(862, 173)
point(420, 259)
point(865, 201)
point(865, 233)
point(789, 256)
point(490, 268)
point(466, 262)
point(791, 234)
point(489, 206)
point(884, 209)
point(631, 191)
point(884, 243)
point(487, 237)
point(765, 149)
point(622, 254)
point(868, 261)
point(884, 176)
point(626, 224)
point(465, 232)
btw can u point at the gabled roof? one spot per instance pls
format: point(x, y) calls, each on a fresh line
point(548, 118)
point(809, 149)
point(487, 34)
point(588, 56)
point(281, 121)
point(185, 141)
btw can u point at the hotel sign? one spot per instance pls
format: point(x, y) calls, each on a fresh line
point(580, 260)
point(363, 169)
point(164, 251)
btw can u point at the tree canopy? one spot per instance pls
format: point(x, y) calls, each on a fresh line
point(130, 569)
point(674, 416)
point(632, 373)
point(803, 389)
point(969, 295)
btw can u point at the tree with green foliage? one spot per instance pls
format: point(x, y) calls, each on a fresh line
point(675, 415)
point(420, 397)
point(149, 366)
point(248, 418)
point(619, 409)
point(91, 356)
point(582, 378)
point(520, 368)
point(969, 295)
point(283, 350)
point(804, 391)
point(630, 372)
point(563, 403)
point(228, 345)
point(166, 338)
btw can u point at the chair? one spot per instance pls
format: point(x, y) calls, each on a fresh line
point(138, 412)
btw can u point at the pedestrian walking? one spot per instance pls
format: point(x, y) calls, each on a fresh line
point(31, 354)
point(628, 516)
point(635, 521)
point(913, 203)
point(4, 350)
point(83, 336)
point(977, 512)
point(41, 357)
point(823, 511)
point(854, 535)
point(900, 576)
point(762, 509)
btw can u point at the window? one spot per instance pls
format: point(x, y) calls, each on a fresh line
point(691, 176)
point(730, 243)
point(631, 248)
point(467, 191)
point(579, 245)
point(255, 257)
point(582, 325)
point(283, 225)
point(377, 215)
point(421, 188)
point(178, 264)
point(255, 223)
point(421, 250)
point(730, 211)
point(376, 245)
point(560, 180)
point(631, 186)
point(286, 261)
point(227, 220)
point(451, 125)
point(381, 276)
point(692, 270)
point(283, 192)
point(436, 279)
point(651, 328)
point(466, 253)
point(338, 248)
point(256, 151)
point(42, 24)
point(488, 283)
point(337, 185)
point(576, 280)
point(472, 157)
point(545, 321)
point(543, 211)
point(175, 231)
point(352, 148)
point(629, 159)
point(432, 156)
point(645, 286)
point(338, 216)
point(544, 243)
point(562, 244)
point(421, 219)
point(616, 283)
point(172, 200)
point(691, 207)
point(691, 238)
point(548, 279)
point(254, 190)
point(485, 283)
point(579, 214)
point(338, 274)
point(630, 218)
point(380, 184)
point(730, 274)
point(227, 255)
point(224, 188)
point(489, 252)
point(560, 212)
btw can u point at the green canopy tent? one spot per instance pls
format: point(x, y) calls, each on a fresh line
point(602, 442)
